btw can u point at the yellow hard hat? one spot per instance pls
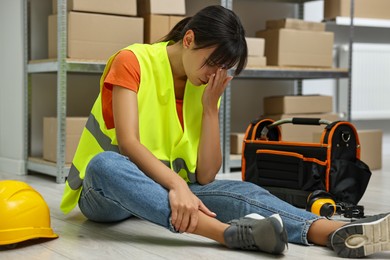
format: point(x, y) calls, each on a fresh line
point(24, 213)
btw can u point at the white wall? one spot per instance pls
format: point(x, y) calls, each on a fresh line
point(11, 87)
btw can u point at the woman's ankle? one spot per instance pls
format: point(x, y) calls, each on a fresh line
point(320, 230)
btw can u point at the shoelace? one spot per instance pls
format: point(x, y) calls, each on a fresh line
point(245, 237)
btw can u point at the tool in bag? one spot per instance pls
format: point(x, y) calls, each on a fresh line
point(323, 204)
point(293, 170)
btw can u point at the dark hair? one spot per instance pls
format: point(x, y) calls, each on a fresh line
point(218, 26)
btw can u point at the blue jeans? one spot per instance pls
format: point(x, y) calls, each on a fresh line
point(115, 189)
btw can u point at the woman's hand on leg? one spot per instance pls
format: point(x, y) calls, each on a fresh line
point(185, 207)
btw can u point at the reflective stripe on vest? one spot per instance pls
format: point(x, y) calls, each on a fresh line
point(104, 141)
point(178, 165)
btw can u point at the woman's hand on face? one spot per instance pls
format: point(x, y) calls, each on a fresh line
point(215, 87)
point(185, 207)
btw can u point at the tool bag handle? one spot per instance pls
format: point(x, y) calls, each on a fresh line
point(300, 121)
point(295, 121)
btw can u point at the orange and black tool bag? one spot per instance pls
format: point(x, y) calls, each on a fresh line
point(292, 170)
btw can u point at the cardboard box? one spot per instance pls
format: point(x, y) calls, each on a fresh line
point(296, 24)
point(288, 47)
point(256, 56)
point(302, 133)
point(74, 128)
point(256, 61)
point(167, 7)
point(121, 7)
point(298, 104)
point(255, 46)
point(158, 26)
point(370, 146)
point(236, 140)
point(377, 9)
point(96, 36)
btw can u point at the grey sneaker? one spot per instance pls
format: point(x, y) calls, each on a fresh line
point(362, 237)
point(254, 232)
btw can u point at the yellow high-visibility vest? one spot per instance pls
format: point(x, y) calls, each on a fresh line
point(159, 126)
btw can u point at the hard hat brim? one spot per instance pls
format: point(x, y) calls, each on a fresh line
point(12, 236)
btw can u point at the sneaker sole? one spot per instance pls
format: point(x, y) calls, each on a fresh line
point(354, 241)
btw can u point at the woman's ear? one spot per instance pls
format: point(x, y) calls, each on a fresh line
point(188, 39)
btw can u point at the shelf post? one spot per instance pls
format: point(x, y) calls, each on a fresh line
point(224, 115)
point(227, 4)
point(225, 133)
point(351, 37)
point(27, 85)
point(61, 89)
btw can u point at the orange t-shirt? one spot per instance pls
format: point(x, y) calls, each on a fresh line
point(125, 72)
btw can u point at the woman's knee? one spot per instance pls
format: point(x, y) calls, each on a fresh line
point(111, 166)
point(99, 166)
point(103, 161)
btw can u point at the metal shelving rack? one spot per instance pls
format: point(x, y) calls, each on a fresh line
point(298, 74)
point(62, 66)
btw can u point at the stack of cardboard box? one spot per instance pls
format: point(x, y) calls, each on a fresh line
point(282, 107)
point(160, 17)
point(312, 106)
point(307, 106)
point(97, 28)
point(256, 56)
point(318, 106)
point(294, 42)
